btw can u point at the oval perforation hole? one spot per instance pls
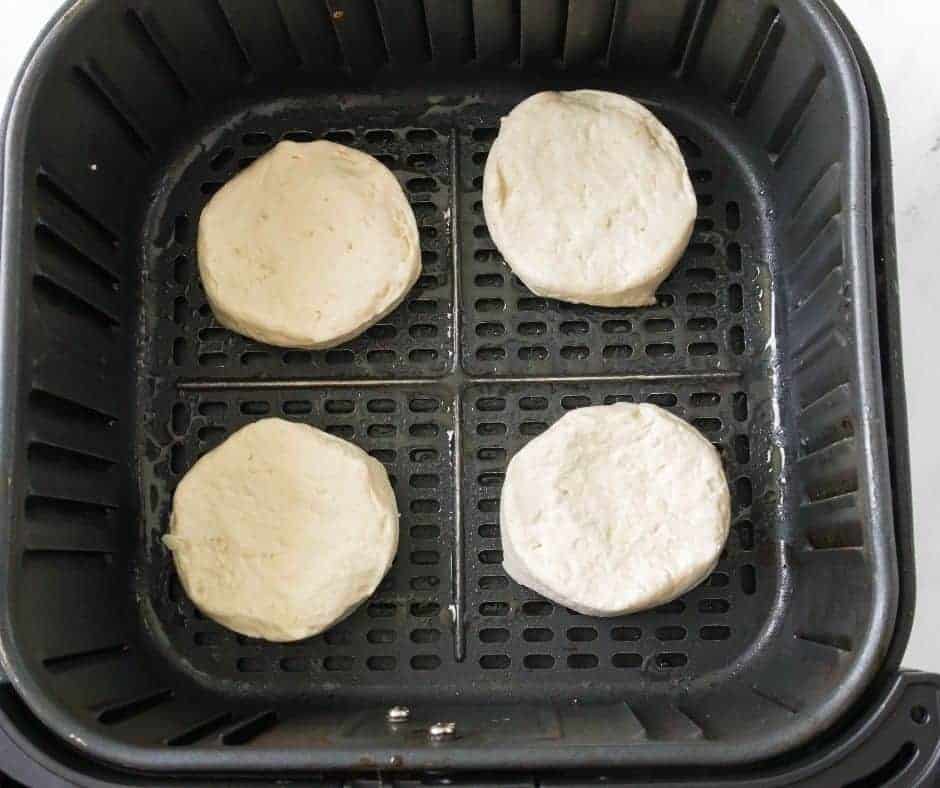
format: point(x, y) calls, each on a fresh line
point(582, 634)
point(532, 304)
point(626, 633)
point(663, 399)
point(743, 493)
point(344, 431)
point(425, 506)
point(296, 407)
point(488, 280)
point(659, 350)
point(338, 663)
point(381, 406)
point(582, 661)
point(626, 660)
point(425, 635)
point(538, 661)
point(424, 430)
point(494, 635)
point(659, 325)
point(533, 353)
point(717, 580)
point(575, 352)
point(421, 135)
point(421, 161)
point(748, 575)
point(537, 635)
point(339, 357)
point(382, 431)
point(379, 136)
point(617, 326)
point(745, 531)
point(490, 429)
point(537, 608)
point(489, 304)
point(669, 660)
point(701, 324)
point(670, 633)
point(222, 158)
point(703, 299)
point(571, 401)
point(381, 356)
point(491, 454)
point(425, 662)
point(533, 403)
point(491, 353)
point(381, 662)
point(715, 633)
point(714, 606)
point(532, 427)
point(674, 607)
point(423, 455)
point(380, 610)
point(610, 399)
point(532, 329)
point(703, 349)
point(424, 405)
point(494, 661)
point(707, 425)
point(490, 329)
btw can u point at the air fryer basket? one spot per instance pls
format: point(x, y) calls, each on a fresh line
point(117, 378)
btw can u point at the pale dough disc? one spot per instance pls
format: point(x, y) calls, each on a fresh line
point(614, 509)
point(587, 198)
point(283, 530)
point(308, 246)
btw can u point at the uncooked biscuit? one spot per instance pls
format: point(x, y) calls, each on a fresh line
point(587, 198)
point(283, 530)
point(614, 509)
point(308, 247)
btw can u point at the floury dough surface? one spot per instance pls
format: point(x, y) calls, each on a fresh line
point(614, 509)
point(283, 530)
point(308, 247)
point(587, 198)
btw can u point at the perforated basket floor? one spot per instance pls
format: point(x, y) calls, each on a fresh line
point(444, 392)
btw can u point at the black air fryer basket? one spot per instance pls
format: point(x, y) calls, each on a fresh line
point(130, 114)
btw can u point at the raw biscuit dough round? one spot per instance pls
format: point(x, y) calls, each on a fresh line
point(587, 198)
point(308, 247)
point(614, 509)
point(283, 530)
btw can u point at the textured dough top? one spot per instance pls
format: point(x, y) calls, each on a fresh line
point(587, 197)
point(283, 530)
point(615, 508)
point(308, 246)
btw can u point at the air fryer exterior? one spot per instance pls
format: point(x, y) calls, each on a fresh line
point(891, 384)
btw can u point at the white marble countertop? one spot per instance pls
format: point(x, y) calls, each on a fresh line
point(901, 36)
